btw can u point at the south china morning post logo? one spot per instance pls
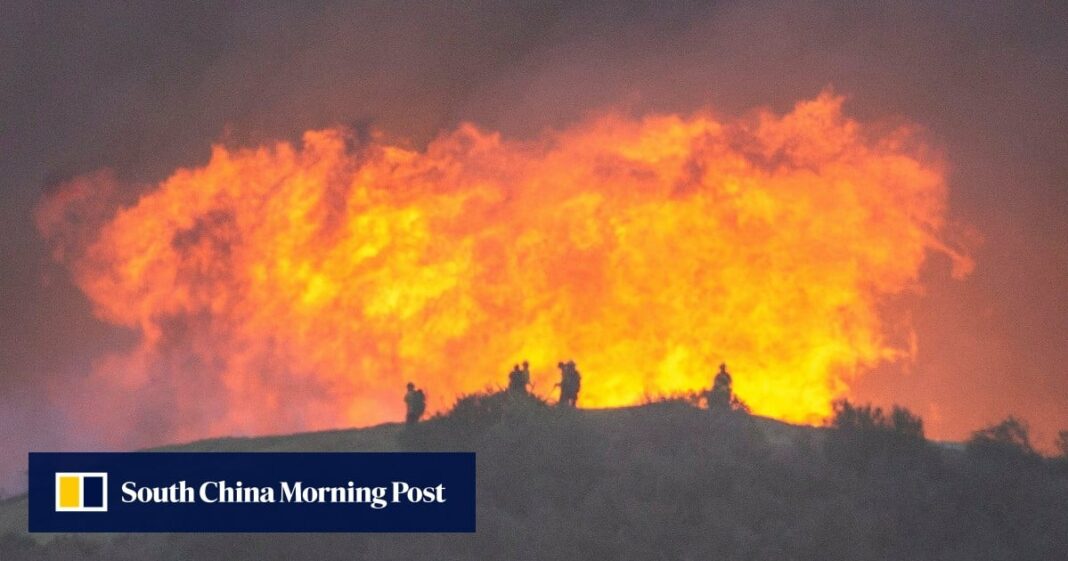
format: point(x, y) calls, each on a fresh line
point(81, 492)
point(252, 492)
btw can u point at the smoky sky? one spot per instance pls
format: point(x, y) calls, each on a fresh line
point(142, 90)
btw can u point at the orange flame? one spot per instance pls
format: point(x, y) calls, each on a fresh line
point(300, 287)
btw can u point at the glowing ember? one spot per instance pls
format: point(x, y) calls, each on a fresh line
point(289, 287)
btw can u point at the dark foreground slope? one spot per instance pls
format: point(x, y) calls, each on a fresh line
point(665, 481)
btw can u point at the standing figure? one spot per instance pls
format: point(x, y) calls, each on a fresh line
point(415, 402)
point(570, 383)
point(518, 380)
point(721, 394)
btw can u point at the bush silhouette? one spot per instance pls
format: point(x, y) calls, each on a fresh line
point(470, 416)
point(863, 434)
point(477, 410)
point(685, 398)
point(906, 424)
point(868, 418)
point(1009, 437)
point(849, 417)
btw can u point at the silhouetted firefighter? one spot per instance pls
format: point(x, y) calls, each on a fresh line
point(519, 379)
point(721, 394)
point(415, 400)
point(570, 383)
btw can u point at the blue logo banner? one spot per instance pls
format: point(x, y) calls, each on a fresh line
point(252, 492)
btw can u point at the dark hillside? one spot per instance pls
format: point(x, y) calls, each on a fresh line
point(670, 481)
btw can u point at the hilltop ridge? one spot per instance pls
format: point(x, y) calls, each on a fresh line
point(663, 480)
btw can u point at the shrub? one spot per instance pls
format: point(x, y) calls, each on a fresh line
point(477, 410)
point(905, 423)
point(868, 418)
point(865, 433)
point(849, 417)
point(1010, 436)
point(470, 416)
point(687, 398)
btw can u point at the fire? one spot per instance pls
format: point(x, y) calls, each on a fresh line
point(290, 287)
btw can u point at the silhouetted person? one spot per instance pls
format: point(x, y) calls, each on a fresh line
point(562, 384)
point(415, 401)
point(518, 380)
point(721, 394)
point(570, 383)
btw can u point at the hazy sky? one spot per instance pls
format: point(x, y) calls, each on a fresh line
point(143, 90)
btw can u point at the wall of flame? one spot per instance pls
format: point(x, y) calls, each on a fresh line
point(291, 287)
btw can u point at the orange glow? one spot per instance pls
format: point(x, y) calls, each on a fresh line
point(290, 287)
